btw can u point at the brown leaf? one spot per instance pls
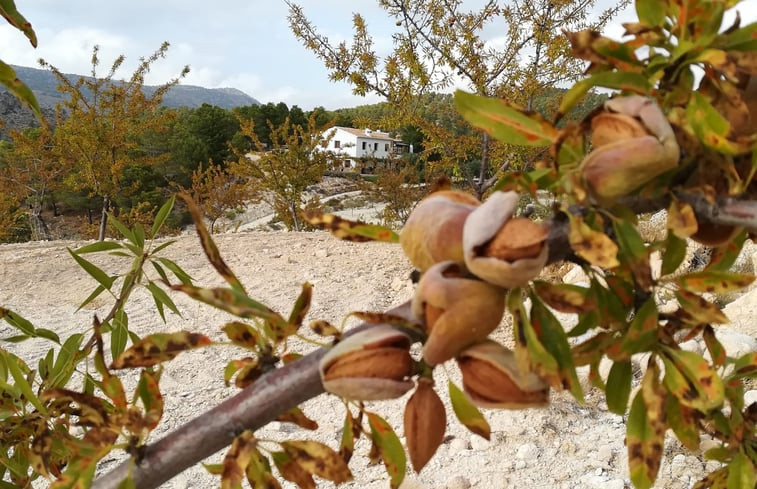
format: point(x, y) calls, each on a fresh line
point(237, 459)
point(91, 410)
point(324, 328)
point(159, 347)
point(565, 297)
point(318, 459)
point(292, 471)
point(593, 246)
point(242, 334)
point(296, 416)
point(681, 219)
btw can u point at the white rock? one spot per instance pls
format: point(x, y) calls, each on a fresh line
point(527, 451)
point(615, 484)
point(735, 343)
point(457, 445)
point(742, 312)
point(604, 455)
point(479, 443)
point(679, 467)
point(576, 276)
point(750, 397)
point(457, 482)
point(520, 464)
point(411, 482)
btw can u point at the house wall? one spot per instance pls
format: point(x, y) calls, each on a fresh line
point(351, 147)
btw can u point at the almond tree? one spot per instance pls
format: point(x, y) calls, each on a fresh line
point(101, 123)
point(438, 44)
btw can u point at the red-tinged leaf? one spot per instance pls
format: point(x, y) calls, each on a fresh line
point(674, 254)
point(81, 469)
point(114, 389)
point(622, 289)
point(301, 306)
point(324, 328)
point(712, 128)
point(151, 397)
point(645, 433)
point(39, 455)
point(318, 459)
point(741, 472)
point(642, 332)
point(505, 122)
point(714, 282)
point(745, 366)
point(565, 297)
point(348, 230)
point(209, 246)
point(684, 422)
point(292, 471)
point(696, 310)
point(390, 448)
point(288, 358)
point(237, 459)
point(233, 302)
point(530, 353)
point(234, 366)
point(692, 380)
point(593, 246)
point(297, 417)
point(91, 410)
point(591, 350)
point(159, 347)
point(242, 334)
point(724, 256)
point(467, 413)
point(618, 388)
point(717, 352)
point(13, 16)
point(347, 443)
point(681, 219)
point(248, 374)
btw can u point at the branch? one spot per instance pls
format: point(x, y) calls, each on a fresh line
point(280, 390)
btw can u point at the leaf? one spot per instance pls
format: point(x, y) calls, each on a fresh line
point(209, 246)
point(13, 16)
point(183, 276)
point(95, 293)
point(716, 349)
point(467, 413)
point(683, 421)
point(161, 298)
point(712, 128)
point(159, 347)
point(565, 297)
point(95, 272)
point(237, 459)
point(681, 219)
point(16, 368)
point(714, 282)
point(724, 256)
point(301, 306)
point(629, 82)
point(691, 379)
point(91, 410)
point(645, 434)
point(18, 322)
point(98, 247)
point(674, 254)
point(324, 328)
point(292, 471)
point(390, 319)
point(503, 121)
point(651, 13)
point(530, 352)
point(642, 332)
point(10, 81)
point(160, 217)
point(297, 417)
point(619, 386)
point(233, 302)
point(119, 335)
point(741, 473)
point(593, 246)
point(390, 448)
point(347, 442)
point(696, 310)
point(318, 459)
point(349, 230)
point(151, 397)
point(242, 334)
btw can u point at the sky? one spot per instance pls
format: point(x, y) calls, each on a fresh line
point(240, 44)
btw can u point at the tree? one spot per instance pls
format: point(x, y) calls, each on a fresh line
point(101, 123)
point(33, 171)
point(216, 192)
point(438, 43)
point(282, 173)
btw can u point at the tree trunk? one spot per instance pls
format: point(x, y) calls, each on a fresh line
point(104, 218)
point(39, 228)
point(295, 221)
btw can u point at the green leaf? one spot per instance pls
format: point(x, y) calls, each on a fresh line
point(347, 442)
point(741, 474)
point(711, 127)
point(619, 386)
point(183, 276)
point(65, 364)
point(160, 297)
point(650, 12)
point(674, 254)
point(301, 305)
point(162, 246)
point(93, 270)
point(98, 246)
point(724, 256)
point(98, 290)
point(234, 302)
point(125, 232)
point(630, 82)
point(13, 16)
point(139, 235)
point(18, 322)
point(467, 413)
point(119, 335)
point(645, 437)
point(683, 421)
point(642, 332)
point(48, 335)
point(13, 364)
point(390, 447)
point(692, 380)
point(9, 79)
point(161, 216)
point(504, 121)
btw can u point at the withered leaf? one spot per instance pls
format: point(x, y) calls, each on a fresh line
point(318, 459)
point(159, 347)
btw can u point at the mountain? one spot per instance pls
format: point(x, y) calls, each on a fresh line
point(43, 83)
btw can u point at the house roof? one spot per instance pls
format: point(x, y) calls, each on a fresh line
point(367, 133)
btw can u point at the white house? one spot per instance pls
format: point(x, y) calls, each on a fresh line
point(363, 148)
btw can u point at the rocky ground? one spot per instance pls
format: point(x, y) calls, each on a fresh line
point(567, 445)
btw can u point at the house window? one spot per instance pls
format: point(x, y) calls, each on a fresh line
point(386, 147)
point(347, 163)
point(364, 143)
point(375, 146)
point(337, 144)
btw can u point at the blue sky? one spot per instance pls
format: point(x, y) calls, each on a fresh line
point(241, 44)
